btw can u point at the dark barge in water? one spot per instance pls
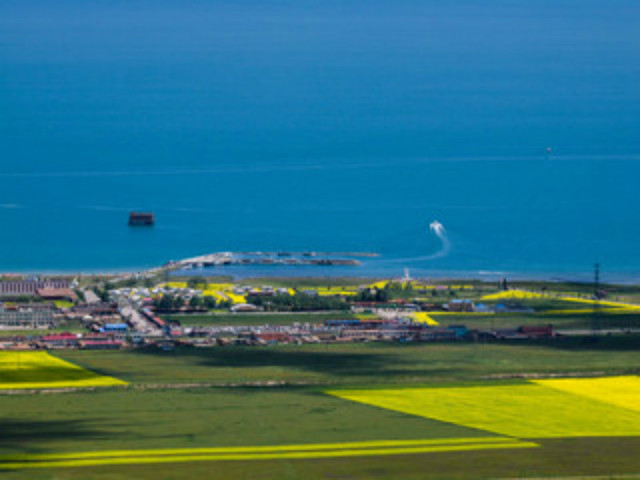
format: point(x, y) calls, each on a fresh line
point(141, 219)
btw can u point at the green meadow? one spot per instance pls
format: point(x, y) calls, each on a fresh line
point(255, 398)
point(364, 363)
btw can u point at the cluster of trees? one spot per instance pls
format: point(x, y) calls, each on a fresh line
point(102, 292)
point(297, 303)
point(391, 290)
point(399, 289)
point(169, 303)
point(208, 302)
point(372, 295)
point(197, 282)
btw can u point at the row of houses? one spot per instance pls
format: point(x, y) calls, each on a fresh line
point(117, 336)
point(16, 288)
point(65, 340)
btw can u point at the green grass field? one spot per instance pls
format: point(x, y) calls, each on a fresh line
point(569, 320)
point(563, 316)
point(73, 326)
point(338, 411)
point(364, 363)
point(128, 431)
point(38, 332)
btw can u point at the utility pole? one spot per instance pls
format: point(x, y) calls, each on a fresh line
point(595, 323)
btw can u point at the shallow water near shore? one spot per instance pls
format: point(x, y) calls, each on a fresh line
point(332, 126)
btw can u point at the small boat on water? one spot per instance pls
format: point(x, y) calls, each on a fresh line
point(141, 219)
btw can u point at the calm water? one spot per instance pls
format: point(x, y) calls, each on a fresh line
point(333, 125)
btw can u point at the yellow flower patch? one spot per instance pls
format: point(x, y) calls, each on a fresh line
point(223, 292)
point(524, 295)
point(513, 294)
point(63, 304)
point(423, 317)
point(173, 285)
point(37, 370)
point(235, 298)
point(621, 391)
point(305, 451)
point(335, 291)
point(526, 411)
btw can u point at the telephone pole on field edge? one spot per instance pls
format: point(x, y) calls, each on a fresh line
point(595, 322)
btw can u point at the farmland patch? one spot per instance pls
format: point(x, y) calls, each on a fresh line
point(529, 410)
point(39, 370)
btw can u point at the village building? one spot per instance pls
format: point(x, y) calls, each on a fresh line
point(57, 294)
point(32, 315)
point(17, 288)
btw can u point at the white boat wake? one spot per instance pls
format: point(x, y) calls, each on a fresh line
point(439, 231)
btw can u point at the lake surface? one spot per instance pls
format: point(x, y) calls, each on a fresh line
point(333, 125)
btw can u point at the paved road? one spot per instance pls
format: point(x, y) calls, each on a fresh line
point(139, 322)
point(90, 297)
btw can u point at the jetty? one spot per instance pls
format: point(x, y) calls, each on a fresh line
point(279, 258)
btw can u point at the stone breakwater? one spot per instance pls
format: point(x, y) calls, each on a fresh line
point(272, 258)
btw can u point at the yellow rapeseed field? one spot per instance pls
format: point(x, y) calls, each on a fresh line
point(335, 291)
point(513, 294)
point(379, 285)
point(524, 295)
point(423, 317)
point(366, 316)
point(215, 294)
point(621, 391)
point(220, 286)
point(174, 285)
point(459, 314)
point(320, 450)
point(38, 370)
point(532, 410)
point(63, 304)
point(223, 292)
point(235, 298)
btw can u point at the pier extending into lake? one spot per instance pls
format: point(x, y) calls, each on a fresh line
point(279, 258)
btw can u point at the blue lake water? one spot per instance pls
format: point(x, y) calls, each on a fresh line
point(334, 125)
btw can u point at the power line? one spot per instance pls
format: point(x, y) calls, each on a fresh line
point(595, 322)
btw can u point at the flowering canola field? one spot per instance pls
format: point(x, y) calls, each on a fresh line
point(513, 294)
point(304, 451)
point(525, 295)
point(423, 317)
point(336, 291)
point(37, 370)
point(223, 292)
point(513, 416)
point(621, 391)
point(542, 409)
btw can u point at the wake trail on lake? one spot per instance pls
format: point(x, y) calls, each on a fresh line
point(445, 247)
